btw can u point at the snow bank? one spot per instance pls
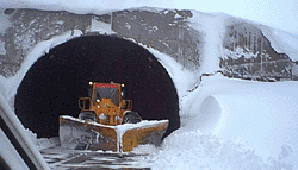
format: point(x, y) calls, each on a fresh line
point(206, 118)
point(266, 122)
point(262, 114)
point(192, 150)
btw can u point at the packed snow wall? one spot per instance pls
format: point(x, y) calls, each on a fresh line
point(263, 115)
point(53, 84)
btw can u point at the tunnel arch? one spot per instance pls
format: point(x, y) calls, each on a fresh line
point(54, 83)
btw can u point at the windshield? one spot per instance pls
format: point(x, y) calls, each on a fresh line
point(111, 93)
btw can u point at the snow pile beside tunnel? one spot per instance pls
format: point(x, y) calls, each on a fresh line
point(202, 151)
point(194, 150)
point(235, 124)
point(266, 122)
point(204, 119)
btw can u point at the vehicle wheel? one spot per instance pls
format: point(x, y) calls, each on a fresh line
point(132, 118)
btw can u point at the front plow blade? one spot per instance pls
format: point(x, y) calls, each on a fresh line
point(76, 134)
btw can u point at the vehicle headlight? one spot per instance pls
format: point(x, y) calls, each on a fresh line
point(98, 100)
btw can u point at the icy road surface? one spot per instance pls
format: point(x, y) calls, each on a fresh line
point(70, 160)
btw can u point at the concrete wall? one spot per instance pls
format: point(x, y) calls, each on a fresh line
point(159, 30)
point(27, 28)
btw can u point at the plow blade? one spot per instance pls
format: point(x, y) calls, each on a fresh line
point(76, 134)
point(141, 134)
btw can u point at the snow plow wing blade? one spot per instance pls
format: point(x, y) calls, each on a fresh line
point(76, 134)
point(145, 132)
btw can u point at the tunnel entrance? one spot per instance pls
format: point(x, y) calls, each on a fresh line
point(53, 85)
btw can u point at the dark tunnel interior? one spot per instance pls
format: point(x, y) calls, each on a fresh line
point(53, 85)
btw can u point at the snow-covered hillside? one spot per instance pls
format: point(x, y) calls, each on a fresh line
point(223, 119)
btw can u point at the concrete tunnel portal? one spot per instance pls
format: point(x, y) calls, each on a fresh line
point(53, 85)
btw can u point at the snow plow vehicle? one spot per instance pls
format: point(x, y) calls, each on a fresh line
point(106, 122)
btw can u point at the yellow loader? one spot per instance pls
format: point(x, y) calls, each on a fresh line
point(107, 123)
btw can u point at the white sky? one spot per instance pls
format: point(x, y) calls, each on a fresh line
point(280, 14)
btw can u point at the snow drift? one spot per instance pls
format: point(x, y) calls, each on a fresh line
point(263, 115)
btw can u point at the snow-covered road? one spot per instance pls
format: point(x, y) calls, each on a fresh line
point(80, 159)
